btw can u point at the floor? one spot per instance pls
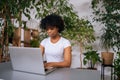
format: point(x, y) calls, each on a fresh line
point(107, 73)
point(107, 77)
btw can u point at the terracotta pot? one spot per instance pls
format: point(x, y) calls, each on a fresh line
point(118, 78)
point(0, 55)
point(35, 33)
point(27, 37)
point(17, 37)
point(107, 58)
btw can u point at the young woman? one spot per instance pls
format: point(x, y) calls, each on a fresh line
point(56, 49)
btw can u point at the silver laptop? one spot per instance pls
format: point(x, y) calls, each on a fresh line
point(28, 59)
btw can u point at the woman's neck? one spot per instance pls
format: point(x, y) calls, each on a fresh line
point(55, 39)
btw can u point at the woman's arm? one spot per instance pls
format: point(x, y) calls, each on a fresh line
point(42, 49)
point(65, 63)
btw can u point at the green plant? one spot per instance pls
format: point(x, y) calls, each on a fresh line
point(12, 10)
point(34, 43)
point(107, 12)
point(106, 39)
point(91, 57)
point(117, 66)
point(60, 7)
point(81, 32)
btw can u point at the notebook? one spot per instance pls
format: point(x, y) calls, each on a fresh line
point(27, 59)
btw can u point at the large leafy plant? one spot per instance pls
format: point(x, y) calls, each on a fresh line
point(13, 9)
point(10, 11)
point(60, 7)
point(81, 33)
point(108, 13)
point(117, 66)
point(91, 58)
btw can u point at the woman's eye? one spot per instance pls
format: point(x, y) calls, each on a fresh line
point(52, 28)
point(49, 29)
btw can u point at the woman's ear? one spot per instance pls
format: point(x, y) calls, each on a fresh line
point(58, 29)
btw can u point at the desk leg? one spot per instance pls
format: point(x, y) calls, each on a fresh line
point(103, 72)
point(112, 76)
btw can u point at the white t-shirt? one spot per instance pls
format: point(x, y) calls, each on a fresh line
point(54, 51)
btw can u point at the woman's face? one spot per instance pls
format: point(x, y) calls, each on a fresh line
point(52, 31)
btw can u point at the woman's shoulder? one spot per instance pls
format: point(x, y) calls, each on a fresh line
point(64, 39)
point(45, 40)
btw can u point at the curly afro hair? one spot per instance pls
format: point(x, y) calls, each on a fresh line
point(52, 20)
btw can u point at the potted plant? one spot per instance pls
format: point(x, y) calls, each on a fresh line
point(107, 13)
point(107, 43)
point(80, 33)
point(117, 66)
point(16, 37)
point(91, 57)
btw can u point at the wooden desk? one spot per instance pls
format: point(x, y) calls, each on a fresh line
point(6, 73)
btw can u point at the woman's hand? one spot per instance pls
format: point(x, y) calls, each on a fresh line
point(48, 65)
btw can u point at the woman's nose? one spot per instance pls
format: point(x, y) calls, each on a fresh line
point(48, 30)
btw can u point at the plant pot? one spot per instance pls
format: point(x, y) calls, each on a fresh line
point(27, 37)
point(118, 78)
point(107, 58)
point(17, 37)
point(35, 33)
point(0, 55)
point(92, 68)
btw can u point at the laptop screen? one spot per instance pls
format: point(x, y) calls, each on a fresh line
point(27, 59)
